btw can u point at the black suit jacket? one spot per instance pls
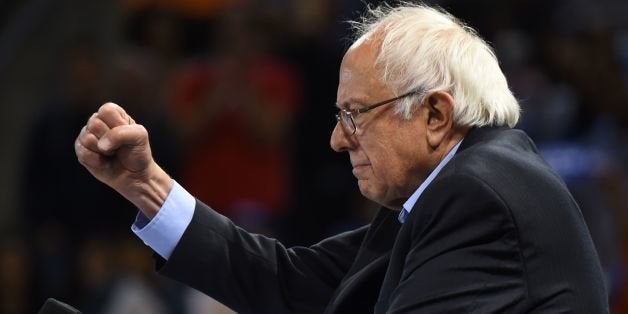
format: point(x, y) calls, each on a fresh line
point(496, 232)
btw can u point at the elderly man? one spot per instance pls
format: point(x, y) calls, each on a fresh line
point(472, 219)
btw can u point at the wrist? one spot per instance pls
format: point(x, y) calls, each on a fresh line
point(150, 193)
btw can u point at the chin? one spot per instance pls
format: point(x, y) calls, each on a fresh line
point(371, 192)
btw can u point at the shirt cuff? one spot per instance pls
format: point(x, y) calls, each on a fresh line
point(163, 232)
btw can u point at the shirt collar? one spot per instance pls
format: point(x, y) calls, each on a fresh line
point(409, 204)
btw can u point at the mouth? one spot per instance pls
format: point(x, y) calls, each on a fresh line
point(360, 165)
point(359, 169)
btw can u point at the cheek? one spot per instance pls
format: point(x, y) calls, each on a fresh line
point(388, 172)
point(385, 170)
point(387, 151)
point(383, 184)
point(394, 169)
point(381, 160)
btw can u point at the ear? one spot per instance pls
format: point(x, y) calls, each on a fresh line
point(440, 111)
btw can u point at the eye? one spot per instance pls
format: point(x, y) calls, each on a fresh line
point(352, 109)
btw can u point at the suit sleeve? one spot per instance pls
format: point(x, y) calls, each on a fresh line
point(251, 273)
point(463, 252)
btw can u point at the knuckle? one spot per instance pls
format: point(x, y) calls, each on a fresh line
point(109, 106)
point(88, 142)
point(92, 120)
point(81, 156)
point(104, 109)
point(107, 110)
point(141, 129)
point(112, 115)
point(96, 127)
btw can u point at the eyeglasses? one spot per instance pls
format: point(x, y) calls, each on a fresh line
point(347, 116)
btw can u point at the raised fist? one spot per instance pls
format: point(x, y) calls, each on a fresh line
point(116, 151)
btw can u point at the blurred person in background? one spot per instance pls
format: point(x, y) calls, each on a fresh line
point(473, 220)
point(234, 110)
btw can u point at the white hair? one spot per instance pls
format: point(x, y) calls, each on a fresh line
point(428, 49)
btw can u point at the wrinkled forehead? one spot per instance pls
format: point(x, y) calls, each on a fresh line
point(360, 58)
point(345, 74)
point(360, 80)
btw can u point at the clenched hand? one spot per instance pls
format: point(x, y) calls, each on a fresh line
point(116, 151)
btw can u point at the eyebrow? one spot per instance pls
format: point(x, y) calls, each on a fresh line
point(347, 105)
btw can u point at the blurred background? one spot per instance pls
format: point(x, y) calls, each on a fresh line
point(238, 97)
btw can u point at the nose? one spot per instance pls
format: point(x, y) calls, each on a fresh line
point(340, 140)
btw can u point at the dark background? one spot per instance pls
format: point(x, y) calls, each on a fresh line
point(63, 234)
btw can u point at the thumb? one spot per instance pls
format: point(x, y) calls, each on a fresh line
point(123, 135)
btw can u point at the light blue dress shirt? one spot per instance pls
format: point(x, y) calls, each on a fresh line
point(407, 206)
point(164, 231)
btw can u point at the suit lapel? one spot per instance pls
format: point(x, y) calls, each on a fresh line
point(360, 288)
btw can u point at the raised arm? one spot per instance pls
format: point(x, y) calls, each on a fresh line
point(248, 272)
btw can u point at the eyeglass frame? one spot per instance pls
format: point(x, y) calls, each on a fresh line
point(353, 113)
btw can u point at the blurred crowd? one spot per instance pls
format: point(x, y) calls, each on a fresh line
point(238, 98)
